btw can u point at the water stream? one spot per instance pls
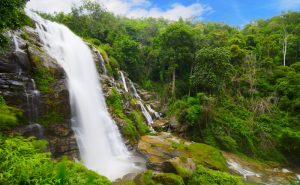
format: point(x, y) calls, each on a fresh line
point(102, 62)
point(124, 81)
point(146, 114)
point(101, 146)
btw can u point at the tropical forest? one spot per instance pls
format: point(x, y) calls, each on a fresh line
point(155, 96)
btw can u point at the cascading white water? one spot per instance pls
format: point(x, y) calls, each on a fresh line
point(146, 114)
point(35, 100)
point(156, 114)
point(100, 143)
point(237, 167)
point(32, 100)
point(17, 48)
point(124, 81)
point(102, 62)
point(135, 93)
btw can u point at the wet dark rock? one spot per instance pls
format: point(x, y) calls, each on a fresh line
point(32, 129)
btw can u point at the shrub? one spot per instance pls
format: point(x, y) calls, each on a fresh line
point(207, 176)
point(140, 124)
point(24, 161)
point(9, 116)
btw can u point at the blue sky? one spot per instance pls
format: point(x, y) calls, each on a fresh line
point(233, 12)
point(238, 12)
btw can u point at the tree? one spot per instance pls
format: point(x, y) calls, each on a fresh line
point(12, 16)
point(126, 51)
point(177, 49)
point(212, 69)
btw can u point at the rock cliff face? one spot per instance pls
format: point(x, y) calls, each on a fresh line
point(32, 81)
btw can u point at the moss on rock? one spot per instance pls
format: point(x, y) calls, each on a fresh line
point(151, 178)
point(207, 176)
point(9, 116)
point(168, 179)
point(163, 147)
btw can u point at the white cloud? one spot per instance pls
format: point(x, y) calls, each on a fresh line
point(288, 4)
point(51, 6)
point(129, 8)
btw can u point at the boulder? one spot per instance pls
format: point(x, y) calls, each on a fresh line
point(182, 166)
point(168, 179)
point(145, 95)
point(160, 125)
point(150, 177)
point(162, 148)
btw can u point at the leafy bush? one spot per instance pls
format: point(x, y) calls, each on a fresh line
point(206, 176)
point(149, 178)
point(140, 124)
point(9, 116)
point(24, 161)
point(290, 143)
point(12, 17)
point(114, 101)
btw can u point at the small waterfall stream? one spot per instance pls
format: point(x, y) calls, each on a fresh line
point(17, 48)
point(124, 81)
point(101, 146)
point(146, 114)
point(33, 103)
point(156, 114)
point(102, 62)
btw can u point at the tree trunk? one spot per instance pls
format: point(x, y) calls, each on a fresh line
point(173, 82)
point(284, 48)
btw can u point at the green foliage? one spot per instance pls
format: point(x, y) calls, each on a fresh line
point(206, 176)
point(43, 79)
point(168, 179)
point(51, 117)
point(42, 75)
point(203, 154)
point(290, 143)
point(176, 51)
point(9, 116)
point(139, 121)
point(251, 101)
point(148, 178)
point(126, 51)
point(24, 161)
point(193, 111)
point(212, 69)
point(114, 67)
point(25, 36)
point(114, 100)
point(12, 17)
point(134, 124)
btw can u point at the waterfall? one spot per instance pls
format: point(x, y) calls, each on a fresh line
point(143, 109)
point(124, 81)
point(17, 48)
point(35, 100)
point(156, 114)
point(32, 100)
point(101, 146)
point(145, 113)
point(237, 167)
point(134, 90)
point(102, 62)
